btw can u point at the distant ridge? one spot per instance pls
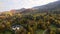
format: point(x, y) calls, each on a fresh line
point(50, 6)
point(39, 9)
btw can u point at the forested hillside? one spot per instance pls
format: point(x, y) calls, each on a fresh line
point(31, 21)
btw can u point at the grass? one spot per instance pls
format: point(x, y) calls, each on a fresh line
point(39, 31)
point(53, 27)
point(6, 32)
point(1, 33)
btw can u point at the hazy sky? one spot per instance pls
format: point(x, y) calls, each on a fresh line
point(18, 4)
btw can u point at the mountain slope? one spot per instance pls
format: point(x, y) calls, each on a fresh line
point(53, 7)
point(50, 6)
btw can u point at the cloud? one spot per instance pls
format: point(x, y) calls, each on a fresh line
point(16, 1)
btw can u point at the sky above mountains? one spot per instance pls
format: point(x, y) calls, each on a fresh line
point(18, 4)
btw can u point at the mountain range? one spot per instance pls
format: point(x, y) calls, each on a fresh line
point(53, 7)
point(50, 6)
